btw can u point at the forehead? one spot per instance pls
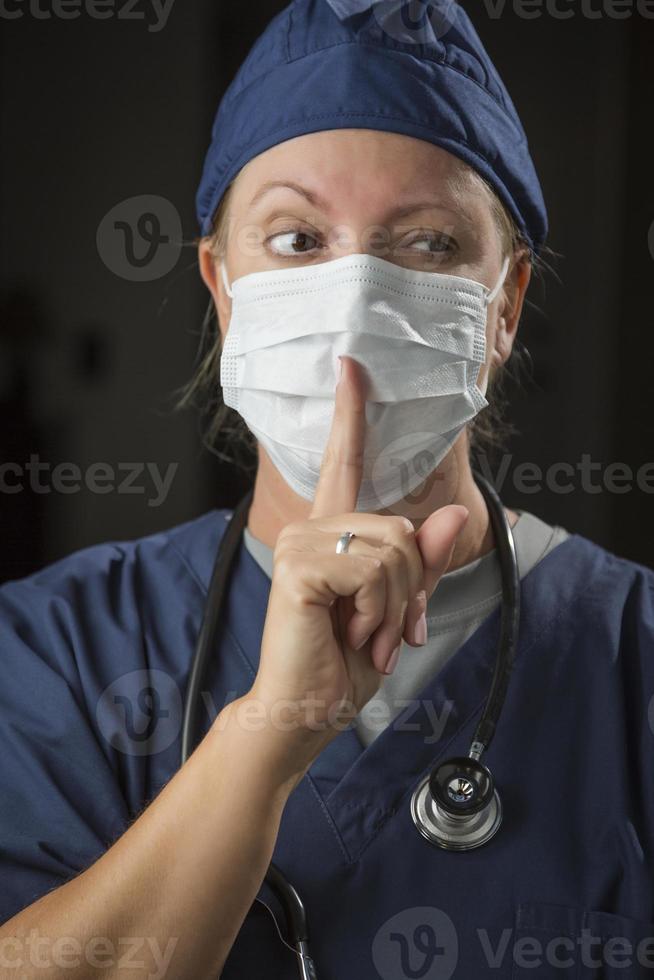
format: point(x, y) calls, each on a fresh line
point(362, 166)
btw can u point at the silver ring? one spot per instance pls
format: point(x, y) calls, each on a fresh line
point(343, 544)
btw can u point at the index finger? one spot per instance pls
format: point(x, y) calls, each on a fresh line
point(341, 470)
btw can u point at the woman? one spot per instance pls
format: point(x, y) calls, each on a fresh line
point(368, 199)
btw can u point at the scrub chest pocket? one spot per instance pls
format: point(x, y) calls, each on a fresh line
point(557, 942)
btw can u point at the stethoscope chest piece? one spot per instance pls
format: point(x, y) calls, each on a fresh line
point(457, 806)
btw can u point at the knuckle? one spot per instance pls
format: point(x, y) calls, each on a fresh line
point(280, 549)
point(285, 569)
point(399, 535)
point(288, 531)
point(394, 556)
point(395, 616)
point(402, 527)
point(285, 538)
point(281, 544)
point(374, 568)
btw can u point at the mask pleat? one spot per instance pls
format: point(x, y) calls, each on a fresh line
point(420, 339)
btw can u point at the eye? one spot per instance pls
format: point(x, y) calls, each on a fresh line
point(430, 244)
point(289, 243)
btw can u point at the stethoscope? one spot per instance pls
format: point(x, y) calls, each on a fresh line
point(457, 805)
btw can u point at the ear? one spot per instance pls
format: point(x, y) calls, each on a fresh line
point(513, 297)
point(210, 272)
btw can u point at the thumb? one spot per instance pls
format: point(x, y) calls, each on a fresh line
point(436, 540)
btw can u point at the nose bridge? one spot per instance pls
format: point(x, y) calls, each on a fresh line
point(356, 238)
point(359, 221)
point(360, 230)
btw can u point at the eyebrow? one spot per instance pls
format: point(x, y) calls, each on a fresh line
point(317, 201)
point(308, 195)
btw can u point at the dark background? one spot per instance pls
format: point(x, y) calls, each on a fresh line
point(95, 112)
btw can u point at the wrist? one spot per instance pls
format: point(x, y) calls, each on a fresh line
point(305, 724)
point(268, 743)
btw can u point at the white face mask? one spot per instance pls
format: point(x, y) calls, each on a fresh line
point(421, 337)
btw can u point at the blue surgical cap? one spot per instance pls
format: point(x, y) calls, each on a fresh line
point(394, 65)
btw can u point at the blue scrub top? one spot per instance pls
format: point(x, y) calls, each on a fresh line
point(94, 655)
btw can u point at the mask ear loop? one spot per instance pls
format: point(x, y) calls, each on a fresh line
point(483, 388)
point(495, 292)
point(223, 272)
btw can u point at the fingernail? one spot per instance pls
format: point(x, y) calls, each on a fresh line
point(420, 632)
point(340, 367)
point(392, 660)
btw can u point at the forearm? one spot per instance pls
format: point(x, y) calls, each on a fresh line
point(171, 894)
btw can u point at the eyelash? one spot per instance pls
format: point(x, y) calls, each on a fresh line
point(447, 240)
point(296, 232)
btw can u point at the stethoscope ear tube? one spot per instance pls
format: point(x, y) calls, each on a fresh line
point(229, 544)
point(457, 806)
point(287, 895)
point(510, 616)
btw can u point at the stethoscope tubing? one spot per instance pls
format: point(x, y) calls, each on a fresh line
point(286, 893)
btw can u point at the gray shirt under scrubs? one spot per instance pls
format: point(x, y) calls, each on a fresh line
point(462, 600)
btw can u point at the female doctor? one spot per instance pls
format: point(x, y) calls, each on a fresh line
point(369, 215)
